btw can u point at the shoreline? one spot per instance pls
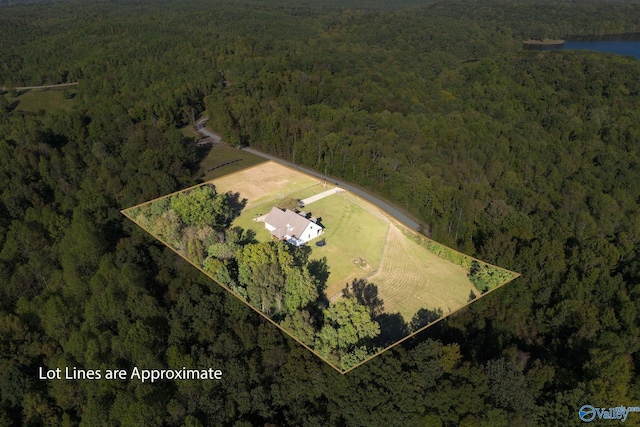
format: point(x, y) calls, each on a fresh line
point(544, 42)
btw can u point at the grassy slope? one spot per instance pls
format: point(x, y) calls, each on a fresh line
point(222, 154)
point(352, 231)
point(411, 278)
point(36, 100)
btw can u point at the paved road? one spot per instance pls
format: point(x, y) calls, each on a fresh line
point(394, 212)
point(43, 87)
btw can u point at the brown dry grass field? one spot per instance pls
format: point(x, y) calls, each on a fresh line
point(265, 182)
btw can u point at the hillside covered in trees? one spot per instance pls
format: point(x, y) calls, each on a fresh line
point(527, 160)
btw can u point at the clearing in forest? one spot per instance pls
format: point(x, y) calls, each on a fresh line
point(384, 282)
point(354, 230)
point(223, 160)
point(34, 100)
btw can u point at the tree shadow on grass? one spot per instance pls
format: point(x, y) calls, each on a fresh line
point(367, 295)
point(201, 152)
point(235, 204)
point(392, 325)
point(247, 236)
point(320, 270)
point(12, 106)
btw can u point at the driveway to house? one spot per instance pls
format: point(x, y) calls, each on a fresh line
point(394, 212)
point(322, 195)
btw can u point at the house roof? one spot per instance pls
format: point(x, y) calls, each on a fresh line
point(286, 223)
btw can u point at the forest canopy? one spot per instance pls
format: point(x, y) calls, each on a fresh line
point(525, 159)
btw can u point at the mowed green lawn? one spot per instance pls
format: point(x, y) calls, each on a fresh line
point(350, 232)
point(411, 277)
point(222, 154)
point(35, 100)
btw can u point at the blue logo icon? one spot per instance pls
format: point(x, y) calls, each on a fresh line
point(587, 413)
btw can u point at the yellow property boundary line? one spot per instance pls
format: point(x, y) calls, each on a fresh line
point(386, 214)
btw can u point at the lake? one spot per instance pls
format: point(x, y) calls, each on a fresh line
point(620, 47)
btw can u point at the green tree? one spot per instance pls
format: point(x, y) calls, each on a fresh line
point(347, 323)
point(486, 277)
point(263, 269)
point(195, 251)
point(4, 105)
point(276, 277)
point(300, 325)
point(508, 387)
point(202, 206)
point(299, 290)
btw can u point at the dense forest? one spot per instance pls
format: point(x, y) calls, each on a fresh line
point(527, 160)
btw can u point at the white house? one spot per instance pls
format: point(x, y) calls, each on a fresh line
point(290, 226)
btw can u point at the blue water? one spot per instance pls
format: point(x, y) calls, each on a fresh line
point(620, 47)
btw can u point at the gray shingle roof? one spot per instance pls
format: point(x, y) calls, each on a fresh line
point(286, 223)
